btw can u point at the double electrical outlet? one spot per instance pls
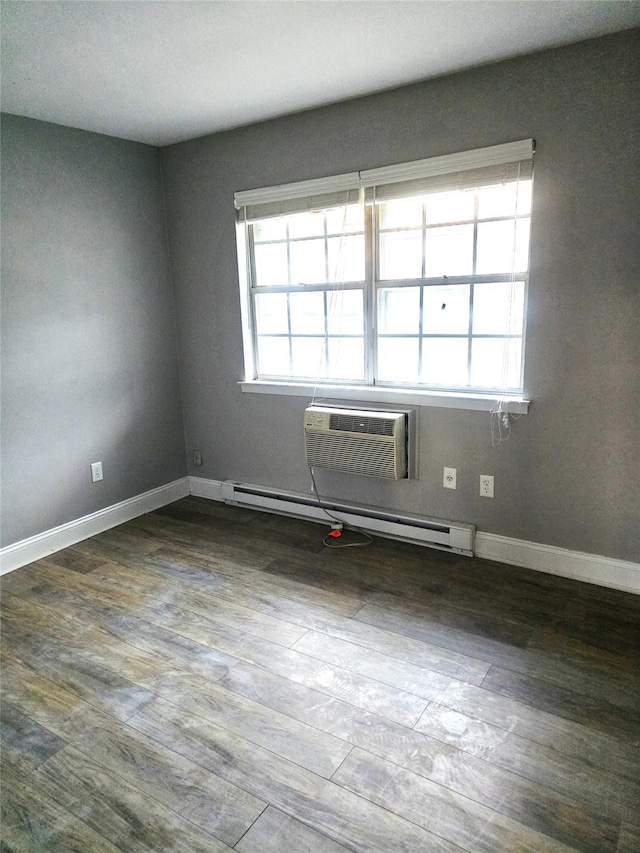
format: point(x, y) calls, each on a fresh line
point(450, 477)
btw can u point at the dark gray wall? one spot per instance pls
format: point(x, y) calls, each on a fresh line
point(89, 368)
point(570, 474)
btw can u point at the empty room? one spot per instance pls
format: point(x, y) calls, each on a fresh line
point(320, 426)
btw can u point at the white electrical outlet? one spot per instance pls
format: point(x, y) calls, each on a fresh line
point(197, 457)
point(449, 478)
point(486, 486)
point(96, 471)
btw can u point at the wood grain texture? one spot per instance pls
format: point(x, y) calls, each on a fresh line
point(341, 683)
point(574, 777)
point(450, 816)
point(373, 664)
point(224, 600)
point(603, 618)
point(324, 806)
point(25, 744)
point(32, 822)
point(37, 696)
point(93, 682)
point(541, 728)
point(381, 638)
point(594, 712)
point(210, 678)
point(476, 702)
point(399, 590)
point(551, 669)
point(534, 805)
point(304, 745)
point(210, 802)
point(117, 809)
point(629, 839)
point(222, 570)
point(70, 558)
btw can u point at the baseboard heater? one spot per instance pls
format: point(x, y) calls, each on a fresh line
point(433, 532)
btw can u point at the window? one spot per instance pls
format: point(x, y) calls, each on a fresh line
point(412, 276)
point(308, 271)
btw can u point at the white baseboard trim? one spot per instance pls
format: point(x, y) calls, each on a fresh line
point(591, 568)
point(39, 546)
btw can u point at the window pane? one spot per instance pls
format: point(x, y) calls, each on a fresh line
point(308, 357)
point(496, 247)
point(444, 361)
point(307, 262)
point(346, 358)
point(345, 219)
point(306, 224)
point(401, 255)
point(346, 258)
point(270, 229)
point(498, 308)
point(345, 314)
point(446, 310)
point(401, 214)
point(501, 200)
point(399, 311)
point(449, 251)
point(525, 189)
point(271, 313)
point(495, 363)
point(273, 356)
point(307, 313)
point(271, 264)
point(450, 207)
point(398, 359)
point(522, 244)
point(495, 201)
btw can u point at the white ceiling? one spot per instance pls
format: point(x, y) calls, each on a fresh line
point(161, 72)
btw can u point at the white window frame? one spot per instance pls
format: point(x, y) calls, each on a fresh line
point(370, 389)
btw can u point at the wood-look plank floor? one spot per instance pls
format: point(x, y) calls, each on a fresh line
point(207, 678)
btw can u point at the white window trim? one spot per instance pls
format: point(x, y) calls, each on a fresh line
point(378, 394)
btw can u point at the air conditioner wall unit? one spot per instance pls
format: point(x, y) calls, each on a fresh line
point(356, 441)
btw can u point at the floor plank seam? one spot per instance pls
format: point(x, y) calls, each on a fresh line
point(253, 823)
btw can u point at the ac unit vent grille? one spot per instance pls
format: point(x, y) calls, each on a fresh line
point(356, 441)
point(355, 455)
point(371, 426)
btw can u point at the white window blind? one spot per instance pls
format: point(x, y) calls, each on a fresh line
point(302, 196)
point(496, 164)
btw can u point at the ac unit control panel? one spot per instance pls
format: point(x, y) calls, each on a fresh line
point(319, 420)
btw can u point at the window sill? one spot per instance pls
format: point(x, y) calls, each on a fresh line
point(368, 394)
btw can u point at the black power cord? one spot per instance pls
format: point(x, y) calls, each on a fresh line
point(329, 539)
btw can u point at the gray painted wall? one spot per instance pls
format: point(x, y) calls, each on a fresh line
point(570, 474)
point(89, 363)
